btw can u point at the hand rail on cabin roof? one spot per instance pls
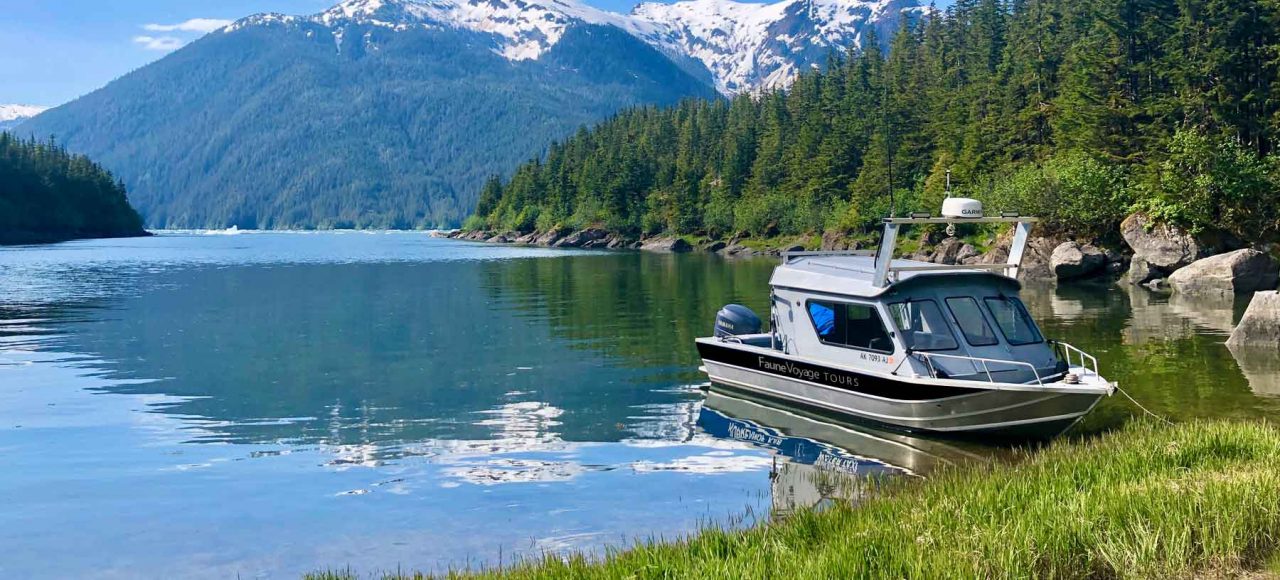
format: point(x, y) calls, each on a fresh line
point(787, 256)
point(947, 220)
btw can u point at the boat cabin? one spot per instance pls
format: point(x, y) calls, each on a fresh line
point(867, 310)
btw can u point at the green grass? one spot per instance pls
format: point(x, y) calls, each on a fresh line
point(1196, 499)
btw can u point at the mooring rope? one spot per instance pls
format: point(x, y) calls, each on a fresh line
point(1144, 409)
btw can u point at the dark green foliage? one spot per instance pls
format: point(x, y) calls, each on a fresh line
point(47, 194)
point(280, 126)
point(1078, 110)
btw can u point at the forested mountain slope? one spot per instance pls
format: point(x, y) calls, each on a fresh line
point(281, 122)
point(47, 195)
point(1079, 110)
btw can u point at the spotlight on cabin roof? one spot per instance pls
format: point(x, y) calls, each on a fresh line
point(961, 207)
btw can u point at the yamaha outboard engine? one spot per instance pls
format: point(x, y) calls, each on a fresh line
point(736, 320)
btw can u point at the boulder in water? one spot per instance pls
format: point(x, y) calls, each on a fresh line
point(1142, 272)
point(1233, 272)
point(1260, 326)
point(1072, 260)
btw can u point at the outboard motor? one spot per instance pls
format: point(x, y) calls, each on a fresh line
point(736, 320)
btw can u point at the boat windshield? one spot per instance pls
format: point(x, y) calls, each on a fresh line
point(1012, 318)
point(922, 326)
point(974, 326)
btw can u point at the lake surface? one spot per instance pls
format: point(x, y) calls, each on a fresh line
point(266, 404)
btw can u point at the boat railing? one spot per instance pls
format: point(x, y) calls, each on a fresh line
point(1087, 361)
point(975, 361)
point(982, 366)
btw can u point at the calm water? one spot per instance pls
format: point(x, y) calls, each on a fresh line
point(263, 405)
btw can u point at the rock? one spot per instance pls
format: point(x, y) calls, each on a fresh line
point(582, 238)
point(738, 250)
point(499, 239)
point(1260, 326)
point(665, 244)
point(946, 251)
point(1234, 272)
point(1141, 272)
point(1164, 247)
point(1037, 260)
point(1157, 284)
point(549, 238)
point(834, 241)
point(968, 255)
point(715, 246)
point(1072, 260)
point(529, 238)
point(793, 248)
point(616, 242)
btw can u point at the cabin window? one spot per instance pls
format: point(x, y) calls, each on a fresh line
point(922, 325)
point(1014, 321)
point(852, 325)
point(974, 326)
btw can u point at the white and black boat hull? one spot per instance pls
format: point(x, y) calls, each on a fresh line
point(909, 404)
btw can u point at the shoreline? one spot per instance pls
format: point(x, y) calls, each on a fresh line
point(34, 239)
point(1147, 501)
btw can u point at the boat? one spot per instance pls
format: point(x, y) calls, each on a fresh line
point(944, 350)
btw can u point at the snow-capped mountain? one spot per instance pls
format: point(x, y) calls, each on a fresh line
point(12, 115)
point(750, 46)
point(744, 46)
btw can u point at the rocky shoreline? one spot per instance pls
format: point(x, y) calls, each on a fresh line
point(1155, 256)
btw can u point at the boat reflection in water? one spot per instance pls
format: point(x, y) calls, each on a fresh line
point(819, 460)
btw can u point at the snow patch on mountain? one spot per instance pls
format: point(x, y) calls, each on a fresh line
point(746, 46)
point(12, 115)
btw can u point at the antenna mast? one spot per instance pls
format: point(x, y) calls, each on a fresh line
point(888, 145)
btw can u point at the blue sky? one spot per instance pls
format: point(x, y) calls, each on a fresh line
point(52, 51)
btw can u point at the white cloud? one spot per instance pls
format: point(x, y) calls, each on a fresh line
point(165, 43)
point(204, 25)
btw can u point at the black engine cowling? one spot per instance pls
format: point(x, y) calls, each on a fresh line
point(737, 320)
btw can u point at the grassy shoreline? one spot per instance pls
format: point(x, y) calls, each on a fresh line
point(1200, 498)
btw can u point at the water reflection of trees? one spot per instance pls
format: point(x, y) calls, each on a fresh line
point(397, 354)
point(645, 307)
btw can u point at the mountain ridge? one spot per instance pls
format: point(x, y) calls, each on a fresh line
point(744, 46)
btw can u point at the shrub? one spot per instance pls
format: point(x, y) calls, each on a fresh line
point(1210, 182)
point(1073, 192)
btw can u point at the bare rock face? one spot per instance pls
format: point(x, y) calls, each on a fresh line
point(1072, 260)
point(529, 238)
point(666, 244)
point(499, 239)
point(1163, 247)
point(968, 255)
point(1260, 326)
point(1229, 273)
